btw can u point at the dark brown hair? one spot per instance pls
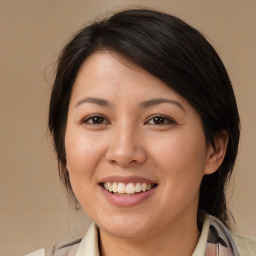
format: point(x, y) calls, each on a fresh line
point(180, 56)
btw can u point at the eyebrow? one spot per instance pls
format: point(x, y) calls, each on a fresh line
point(97, 101)
point(153, 102)
point(144, 104)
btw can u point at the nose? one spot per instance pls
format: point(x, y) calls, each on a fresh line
point(126, 147)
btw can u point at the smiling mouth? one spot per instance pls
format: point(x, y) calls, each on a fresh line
point(129, 189)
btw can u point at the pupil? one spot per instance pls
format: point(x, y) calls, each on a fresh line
point(159, 120)
point(97, 119)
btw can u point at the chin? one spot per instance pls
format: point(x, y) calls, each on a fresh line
point(127, 227)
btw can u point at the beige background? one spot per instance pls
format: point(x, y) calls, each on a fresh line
point(34, 211)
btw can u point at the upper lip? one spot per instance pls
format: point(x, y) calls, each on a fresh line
point(128, 179)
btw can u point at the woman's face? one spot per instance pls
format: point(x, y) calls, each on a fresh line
point(129, 133)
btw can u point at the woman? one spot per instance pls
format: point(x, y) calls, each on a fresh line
point(146, 129)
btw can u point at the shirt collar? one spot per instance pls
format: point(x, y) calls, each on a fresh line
point(90, 243)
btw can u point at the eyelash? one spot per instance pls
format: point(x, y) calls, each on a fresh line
point(165, 120)
point(102, 118)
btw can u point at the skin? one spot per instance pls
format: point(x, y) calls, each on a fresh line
point(127, 141)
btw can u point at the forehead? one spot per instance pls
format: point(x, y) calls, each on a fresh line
point(109, 74)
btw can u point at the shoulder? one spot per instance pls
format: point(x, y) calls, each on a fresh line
point(246, 244)
point(86, 246)
point(241, 245)
point(63, 248)
point(40, 252)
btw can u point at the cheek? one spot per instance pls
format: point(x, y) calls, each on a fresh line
point(82, 152)
point(83, 157)
point(181, 153)
point(181, 161)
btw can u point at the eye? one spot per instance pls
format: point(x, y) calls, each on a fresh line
point(160, 120)
point(96, 119)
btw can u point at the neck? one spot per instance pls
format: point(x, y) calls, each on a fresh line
point(170, 241)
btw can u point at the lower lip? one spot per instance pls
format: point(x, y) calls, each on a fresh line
point(127, 201)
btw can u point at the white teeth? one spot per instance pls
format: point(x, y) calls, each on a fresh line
point(121, 188)
point(128, 189)
point(149, 186)
point(115, 187)
point(110, 187)
point(144, 187)
point(138, 187)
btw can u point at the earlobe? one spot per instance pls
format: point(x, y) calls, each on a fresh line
point(217, 153)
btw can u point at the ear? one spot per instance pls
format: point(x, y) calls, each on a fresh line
point(215, 155)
